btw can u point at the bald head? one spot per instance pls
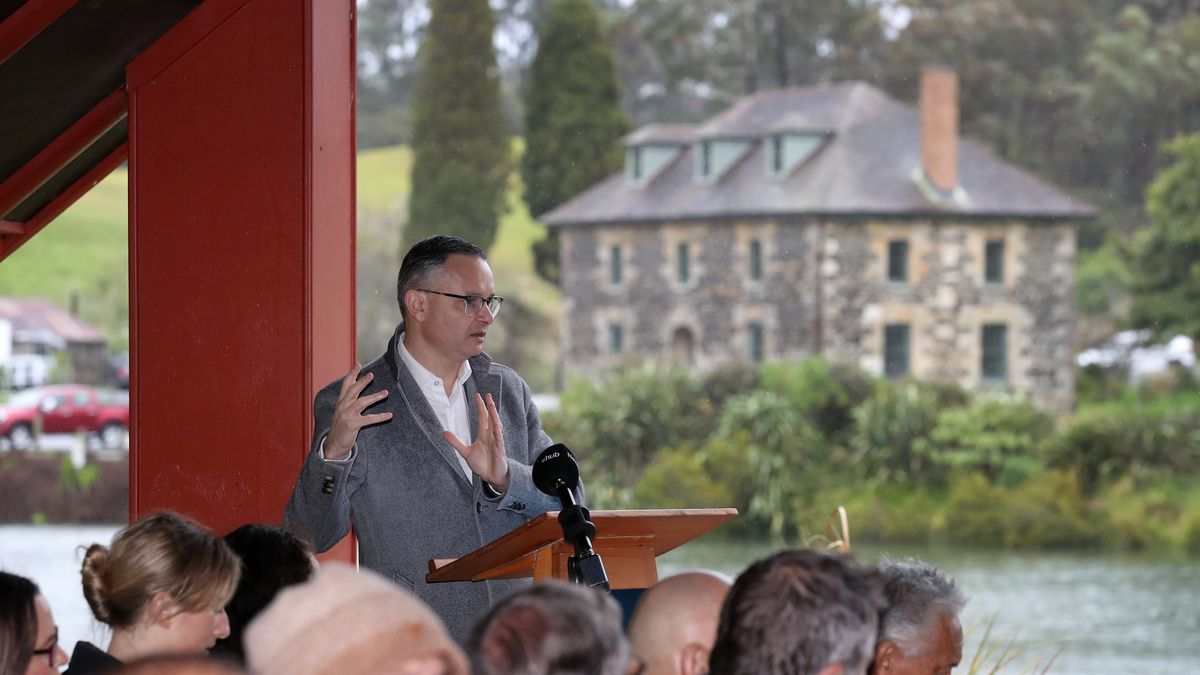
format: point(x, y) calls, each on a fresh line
point(675, 623)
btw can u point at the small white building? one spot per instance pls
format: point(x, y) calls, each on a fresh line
point(35, 331)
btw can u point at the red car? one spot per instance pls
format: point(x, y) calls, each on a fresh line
point(65, 409)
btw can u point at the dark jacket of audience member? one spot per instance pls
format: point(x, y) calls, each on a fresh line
point(177, 664)
point(550, 628)
point(28, 636)
point(272, 559)
point(798, 613)
point(162, 587)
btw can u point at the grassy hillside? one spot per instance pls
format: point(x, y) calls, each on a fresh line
point(85, 253)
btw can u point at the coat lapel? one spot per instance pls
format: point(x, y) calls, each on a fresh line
point(424, 417)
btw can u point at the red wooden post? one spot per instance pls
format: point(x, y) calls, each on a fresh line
point(241, 159)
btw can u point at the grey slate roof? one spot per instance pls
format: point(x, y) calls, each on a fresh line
point(864, 168)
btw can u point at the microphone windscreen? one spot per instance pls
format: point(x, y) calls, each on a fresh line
point(556, 465)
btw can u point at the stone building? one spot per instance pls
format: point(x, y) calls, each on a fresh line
point(828, 220)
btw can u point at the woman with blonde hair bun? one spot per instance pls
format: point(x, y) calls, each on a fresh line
point(162, 587)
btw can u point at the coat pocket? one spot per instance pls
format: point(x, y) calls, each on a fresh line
point(403, 582)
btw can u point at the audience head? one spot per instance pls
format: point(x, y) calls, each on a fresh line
point(166, 580)
point(272, 559)
point(919, 632)
point(180, 664)
point(800, 613)
point(550, 628)
point(28, 636)
point(675, 623)
point(345, 621)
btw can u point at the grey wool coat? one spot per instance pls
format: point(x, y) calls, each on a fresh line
point(405, 491)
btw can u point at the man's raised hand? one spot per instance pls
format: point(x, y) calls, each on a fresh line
point(348, 415)
point(486, 455)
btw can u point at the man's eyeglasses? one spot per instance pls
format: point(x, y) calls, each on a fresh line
point(48, 650)
point(472, 303)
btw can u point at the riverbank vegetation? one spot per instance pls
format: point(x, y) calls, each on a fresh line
point(913, 462)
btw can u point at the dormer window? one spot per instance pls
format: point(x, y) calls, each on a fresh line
point(787, 150)
point(645, 160)
point(714, 156)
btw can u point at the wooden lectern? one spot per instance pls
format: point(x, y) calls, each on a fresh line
point(627, 542)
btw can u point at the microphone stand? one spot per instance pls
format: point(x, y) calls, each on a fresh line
point(585, 567)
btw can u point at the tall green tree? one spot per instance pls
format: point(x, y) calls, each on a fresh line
point(461, 151)
point(1167, 264)
point(573, 116)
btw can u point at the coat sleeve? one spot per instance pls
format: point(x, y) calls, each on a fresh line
point(319, 510)
point(521, 491)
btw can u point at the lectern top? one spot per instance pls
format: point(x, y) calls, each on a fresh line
point(659, 530)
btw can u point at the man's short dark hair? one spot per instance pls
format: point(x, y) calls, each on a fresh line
point(550, 628)
point(796, 612)
point(426, 256)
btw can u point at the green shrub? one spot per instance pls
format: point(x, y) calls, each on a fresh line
point(1097, 383)
point(617, 426)
point(784, 456)
point(894, 512)
point(1159, 516)
point(1105, 443)
point(1046, 511)
point(988, 435)
point(892, 430)
point(1191, 535)
point(728, 380)
point(679, 480)
point(1130, 527)
point(826, 394)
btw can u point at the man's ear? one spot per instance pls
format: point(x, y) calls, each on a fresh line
point(415, 304)
point(886, 652)
point(693, 659)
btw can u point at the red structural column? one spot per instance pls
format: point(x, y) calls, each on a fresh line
point(241, 159)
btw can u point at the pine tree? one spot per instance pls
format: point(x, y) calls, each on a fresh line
point(573, 119)
point(461, 152)
point(1167, 265)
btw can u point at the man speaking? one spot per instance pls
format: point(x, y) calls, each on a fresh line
point(427, 449)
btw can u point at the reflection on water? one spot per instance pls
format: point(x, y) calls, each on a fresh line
point(1108, 614)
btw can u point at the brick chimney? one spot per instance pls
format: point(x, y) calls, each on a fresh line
point(939, 127)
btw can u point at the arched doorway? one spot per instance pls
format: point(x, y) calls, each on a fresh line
point(683, 347)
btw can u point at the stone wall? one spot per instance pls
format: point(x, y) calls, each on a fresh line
point(824, 289)
point(946, 301)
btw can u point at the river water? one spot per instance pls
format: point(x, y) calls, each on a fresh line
point(1096, 614)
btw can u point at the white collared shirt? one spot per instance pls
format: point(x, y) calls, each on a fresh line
point(451, 410)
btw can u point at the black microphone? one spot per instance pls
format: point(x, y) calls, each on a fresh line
point(556, 469)
point(556, 473)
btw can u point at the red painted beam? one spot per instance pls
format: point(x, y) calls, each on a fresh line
point(67, 198)
point(181, 38)
point(23, 25)
point(62, 150)
point(9, 227)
